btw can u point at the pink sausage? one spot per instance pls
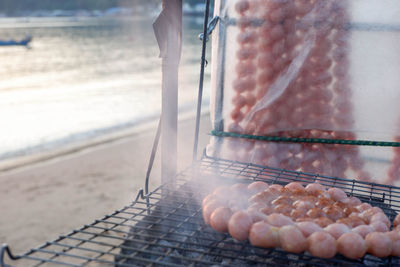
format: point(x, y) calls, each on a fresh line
point(239, 101)
point(379, 226)
point(209, 208)
point(257, 187)
point(292, 41)
point(283, 209)
point(380, 217)
point(246, 54)
point(277, 32)
point(363, 207)
point(352, 245)
point(246, 37)
point(379, 244)
point(244, 22)
point(245, 69)
point(303, 7)
point(367, 214)
point(315, 213)
point(282, 200)
point(278, 220)
point(264, 235)
point(337, 194)
point(303, 205)
point(291, 239)
point(396, 220)
point(395, 236)
point(354, 201)
point(322, 245)
point(308, 228)
point(256, 215)
point(323, 221)
point(257, 206)
point(290, 27)
point(295, 187)
point(275, 187)
point(363, 230)
point(333, 212)
point(315, 188)
point(337, 229)
point(267, 210)
point(239, 188)
point(251, 100)
point(219, 219)
point(278, 48)
point(296, 214)
point(263, 197)
point(265, 61)
point(239, 225)
point(277, 15)
point(222, 192)
point(242, 6)
point(208, 199)
point(265, 77)
point(241, 85)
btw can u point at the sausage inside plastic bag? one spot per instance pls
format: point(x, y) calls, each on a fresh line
point(310, 69)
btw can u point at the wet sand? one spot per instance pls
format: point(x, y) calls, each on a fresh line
point(42, 197)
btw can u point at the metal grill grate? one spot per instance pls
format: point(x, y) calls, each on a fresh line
point(166, 228)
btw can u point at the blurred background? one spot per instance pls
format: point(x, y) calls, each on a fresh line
point(92, 68)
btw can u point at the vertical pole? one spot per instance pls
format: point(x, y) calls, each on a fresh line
point(220, 58)
point(200, 93)
point(170, 30)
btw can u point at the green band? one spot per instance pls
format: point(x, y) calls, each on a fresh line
point(306, 140)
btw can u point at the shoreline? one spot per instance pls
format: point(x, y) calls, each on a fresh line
point(73, 147)
point(40, 155)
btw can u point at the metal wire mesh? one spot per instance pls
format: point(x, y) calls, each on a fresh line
point(167, 228)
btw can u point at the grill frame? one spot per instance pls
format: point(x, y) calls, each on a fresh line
point(165, 227)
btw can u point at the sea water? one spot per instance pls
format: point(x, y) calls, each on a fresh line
point(84, 77)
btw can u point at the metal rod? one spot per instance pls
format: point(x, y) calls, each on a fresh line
point(202, 67)
point(354, 26)
point(152, 156)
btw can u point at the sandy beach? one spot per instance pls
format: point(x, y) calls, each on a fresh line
point(44, 196)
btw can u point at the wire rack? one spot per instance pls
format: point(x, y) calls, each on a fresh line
point(166, 227)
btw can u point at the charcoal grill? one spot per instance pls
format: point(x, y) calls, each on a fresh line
point(164, 227)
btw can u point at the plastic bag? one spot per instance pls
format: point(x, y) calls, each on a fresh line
point(308, 69)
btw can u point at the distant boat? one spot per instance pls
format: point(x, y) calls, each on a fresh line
point(23, 42)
